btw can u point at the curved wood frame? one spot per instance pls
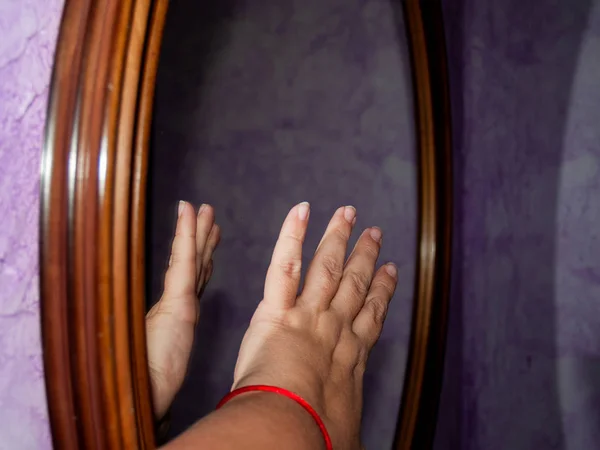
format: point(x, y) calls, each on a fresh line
point(425, 368)
point(92, 224)
point(92, 285)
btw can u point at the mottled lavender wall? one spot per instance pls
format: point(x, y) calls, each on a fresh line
point(523, 366)
point(28, 30)
point(261, 105)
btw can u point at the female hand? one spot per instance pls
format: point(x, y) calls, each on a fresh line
point(170, 323)
point(316, 344)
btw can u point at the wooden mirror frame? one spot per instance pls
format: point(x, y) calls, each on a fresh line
point(92, 231)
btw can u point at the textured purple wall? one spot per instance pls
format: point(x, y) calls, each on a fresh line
point(523, 366)
point(28, 30)
point(524, 358)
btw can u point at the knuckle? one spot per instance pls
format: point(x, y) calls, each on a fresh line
point(378, 308)
point(295, 321)
point(327, 286)
point(178, 258)
point(331, 267)
point(341, 233)
point(370, 249)
point(184, 234)
point(290, 267)
point(181, 244)
point(347, 350)
point(294, 237)
point(385, 284)
point(359, 282)
point(369, 338)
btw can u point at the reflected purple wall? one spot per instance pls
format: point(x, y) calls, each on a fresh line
point(261, 105)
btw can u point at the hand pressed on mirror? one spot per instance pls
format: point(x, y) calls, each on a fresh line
point(171, 322)
point(316, 344)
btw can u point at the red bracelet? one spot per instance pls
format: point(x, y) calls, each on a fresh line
point(286, 393)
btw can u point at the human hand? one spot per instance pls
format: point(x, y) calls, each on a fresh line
point(171, 321)
point(316, 344)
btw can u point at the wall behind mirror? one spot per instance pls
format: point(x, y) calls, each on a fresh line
point(28, 34)
point(260, 105)
point(523, 366)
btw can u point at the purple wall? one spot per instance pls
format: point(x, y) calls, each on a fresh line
point(523, 366)
point(524, 358)
point(28, 31)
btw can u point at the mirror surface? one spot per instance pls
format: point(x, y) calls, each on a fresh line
point(261, 105)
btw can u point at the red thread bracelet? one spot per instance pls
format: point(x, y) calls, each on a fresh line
point(285, 393)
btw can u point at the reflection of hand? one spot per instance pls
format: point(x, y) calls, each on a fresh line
point(170, 323)
point(316, 344)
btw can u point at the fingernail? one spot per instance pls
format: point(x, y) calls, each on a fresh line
point(303, 209)
point(390, 268)
point(202, 208)
point(180, 208)
point(375, 234)
point(350, 214)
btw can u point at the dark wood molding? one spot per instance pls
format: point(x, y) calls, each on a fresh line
point(138, 221)
point(423, 377)
point(54, 234)
point(92, 224)
point(93, 337)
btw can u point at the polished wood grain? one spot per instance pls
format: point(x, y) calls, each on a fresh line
point(92, 233)
point(106, 166)
point(86, 324)
point(57, 325)
point(121, 222)
point(138, 224)
point(425, 367)
point(84, 225)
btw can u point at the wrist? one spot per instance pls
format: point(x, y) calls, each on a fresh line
point(305, 384)
point(288, 414)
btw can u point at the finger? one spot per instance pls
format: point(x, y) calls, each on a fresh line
point(283, 276)
point(209, 272)
point(325, 270)
point(180, 279)
point(204, 225)
point(211, 243)
point(358, 274)
point(369, 321)
point(204, 281)
point(351, 213)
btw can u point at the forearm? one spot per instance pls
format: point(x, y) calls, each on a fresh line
point(256, 420)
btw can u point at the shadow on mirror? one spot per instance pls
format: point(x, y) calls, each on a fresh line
point(259, 106)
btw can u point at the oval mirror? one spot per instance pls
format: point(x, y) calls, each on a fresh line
point(251, 107)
